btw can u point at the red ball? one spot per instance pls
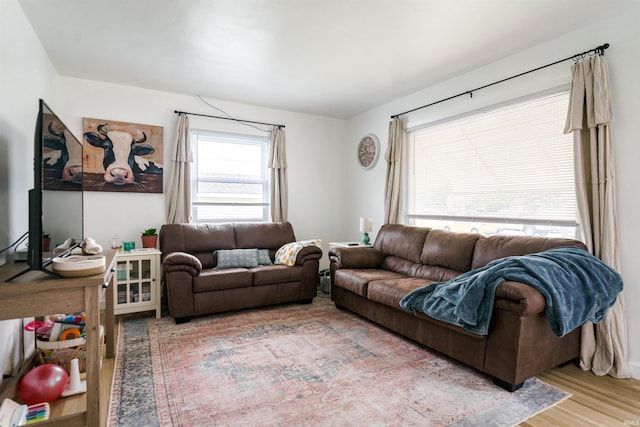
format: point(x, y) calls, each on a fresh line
point(44, 383)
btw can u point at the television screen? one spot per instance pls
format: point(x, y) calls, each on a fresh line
point(55, 202)
point(61, 181)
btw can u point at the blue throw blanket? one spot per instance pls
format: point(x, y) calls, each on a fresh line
point(576, 286)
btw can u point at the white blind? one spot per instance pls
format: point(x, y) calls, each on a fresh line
point(229, 177)
point(513, 162)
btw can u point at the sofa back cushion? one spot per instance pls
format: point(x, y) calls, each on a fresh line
point(440, 255)
point(443, 255)
point(401, 241)
point(199, 240)
point(449, 250)
point(491, 248)
point(264, 235)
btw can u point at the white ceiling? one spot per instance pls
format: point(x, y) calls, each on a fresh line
point(335, 58)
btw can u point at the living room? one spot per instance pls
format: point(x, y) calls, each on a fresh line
point(320, 147)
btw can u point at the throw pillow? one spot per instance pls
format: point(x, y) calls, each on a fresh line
point(229, 258)
point(263, 257)
point(288, 252)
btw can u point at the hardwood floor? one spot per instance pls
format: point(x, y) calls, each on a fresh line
point(596, 401)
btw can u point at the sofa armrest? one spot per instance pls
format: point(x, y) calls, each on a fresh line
point(519, 298)
point(308, 253)
point(355, 257)
point(182, 261)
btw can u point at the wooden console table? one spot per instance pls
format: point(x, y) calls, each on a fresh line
point(38, 294)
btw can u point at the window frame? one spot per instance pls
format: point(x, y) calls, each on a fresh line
point(244, 139)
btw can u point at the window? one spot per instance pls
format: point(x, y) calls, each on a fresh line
point(229, 177)
point(508, 170)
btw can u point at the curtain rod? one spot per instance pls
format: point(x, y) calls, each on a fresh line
point(228, 118)
point(596, 50)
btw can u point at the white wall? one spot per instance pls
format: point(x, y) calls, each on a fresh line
point(621, 31)
point(314, 145)
point(26, 74)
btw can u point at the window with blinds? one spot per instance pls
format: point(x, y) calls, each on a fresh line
point(229, 177)
point(508, 170)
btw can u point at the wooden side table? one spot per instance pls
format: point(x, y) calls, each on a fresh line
point(38, 294)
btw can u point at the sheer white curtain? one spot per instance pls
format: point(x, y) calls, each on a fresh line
point(178, 194)
point(279, 182)
point(605, 345)
point(393, 156)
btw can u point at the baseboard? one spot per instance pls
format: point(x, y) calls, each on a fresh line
point(634, 368)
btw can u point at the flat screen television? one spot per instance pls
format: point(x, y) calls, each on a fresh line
point(56, 200)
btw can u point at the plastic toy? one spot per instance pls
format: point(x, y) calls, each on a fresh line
point(44, 383)
point(69, 334)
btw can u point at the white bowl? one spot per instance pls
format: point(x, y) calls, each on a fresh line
point(79, 265)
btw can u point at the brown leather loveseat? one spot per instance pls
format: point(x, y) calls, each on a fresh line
point(197, 285)
point(520, 343)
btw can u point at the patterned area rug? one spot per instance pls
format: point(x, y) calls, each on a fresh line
point(300, 365)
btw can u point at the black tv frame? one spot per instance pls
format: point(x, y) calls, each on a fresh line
point(35, 254)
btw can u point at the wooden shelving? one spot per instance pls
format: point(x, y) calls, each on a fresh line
point(39, 294)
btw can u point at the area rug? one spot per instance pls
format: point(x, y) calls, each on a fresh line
point(300, 365)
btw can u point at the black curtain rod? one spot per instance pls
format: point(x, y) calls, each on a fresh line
point(228, 118)
point(596, 50)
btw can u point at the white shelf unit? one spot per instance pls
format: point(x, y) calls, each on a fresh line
point(137, 281)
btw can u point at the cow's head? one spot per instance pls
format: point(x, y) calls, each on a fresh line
point(69, 158)
point(120, 149)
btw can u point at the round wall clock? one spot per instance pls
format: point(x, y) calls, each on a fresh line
point(368, 151)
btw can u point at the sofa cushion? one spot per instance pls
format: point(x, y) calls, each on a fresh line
point(390, 292)
point(494, 247)
point(274, 274)
point(401, 241)
point(228, 278)
point(228, 258)
point(194, 238)
point(449, 250)
point(266, 235)
point(356, 280)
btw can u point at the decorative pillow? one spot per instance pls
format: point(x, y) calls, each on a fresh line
point(228, 258)
point(288, 252)
point(263, 257)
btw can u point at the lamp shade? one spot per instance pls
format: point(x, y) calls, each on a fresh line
point(366, 224)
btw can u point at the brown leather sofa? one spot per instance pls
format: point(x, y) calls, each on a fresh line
point(196, 287)
point(520, 343)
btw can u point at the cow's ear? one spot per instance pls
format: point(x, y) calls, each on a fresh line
point(94, 139)
point(144, 149)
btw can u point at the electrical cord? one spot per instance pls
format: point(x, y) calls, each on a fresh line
point(17, 242)
point(231, 117)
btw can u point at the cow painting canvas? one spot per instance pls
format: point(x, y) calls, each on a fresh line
point(122, 157)
point(61, 156)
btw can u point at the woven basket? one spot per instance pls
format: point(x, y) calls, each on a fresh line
point(62, 352)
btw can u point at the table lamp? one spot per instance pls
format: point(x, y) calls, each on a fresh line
point(365, 228)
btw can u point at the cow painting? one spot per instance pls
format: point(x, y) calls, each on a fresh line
point(124, 156)
point(61, 159)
